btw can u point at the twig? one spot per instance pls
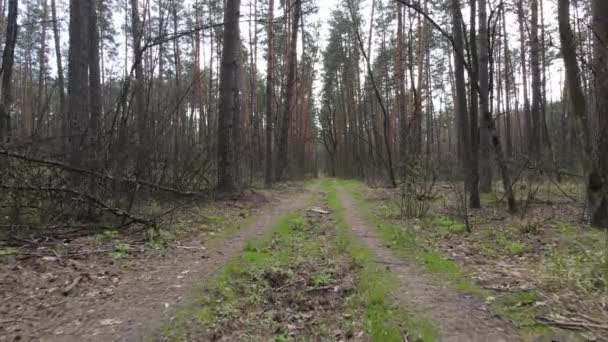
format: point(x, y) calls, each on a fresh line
point(323, 288)
point(289, 285)
point(72, 285)
point(572, 325)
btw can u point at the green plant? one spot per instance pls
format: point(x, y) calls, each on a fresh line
point(107, 235)
point(244, 213)
point(5, 251)
point(447, 225)
point(296, 223)
point(519, 308)
point(120, 250)
point(320, 279)
point(516, 248)
point(528, 228)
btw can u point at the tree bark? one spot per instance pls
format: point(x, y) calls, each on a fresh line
point(536, 133)
point(41, 101)
point(140, 113)
point(598, 186)
point(461, 111)
point(78, 82)
point(524, 74)
point(472, 178)
point(58, 60)
point(269, 94)
point(8, 60)
point(508, 87)
point(290, 96)
point(405, 139)
point(95, 103)
point(485, 161)
point(229, 108)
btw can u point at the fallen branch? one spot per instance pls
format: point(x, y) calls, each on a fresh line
point(289, 285)
point(86, 198)
point(72, 285)
point(69, 168)
point(572, 324)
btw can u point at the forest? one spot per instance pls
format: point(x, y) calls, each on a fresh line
point(283, 170)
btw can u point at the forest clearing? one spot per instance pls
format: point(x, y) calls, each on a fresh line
point(304, 170)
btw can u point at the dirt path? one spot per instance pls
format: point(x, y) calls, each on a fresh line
point(143, 303)
point(458, 317)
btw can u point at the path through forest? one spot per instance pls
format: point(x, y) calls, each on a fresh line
point(148, 299)
point(458, 317)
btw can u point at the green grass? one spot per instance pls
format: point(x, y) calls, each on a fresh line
point(384, 321)
point(519, 308)
point(579, 260)
point(238, 284)
point(403, 239)
point(446, 225)
point(516, 248)
point(576, 261)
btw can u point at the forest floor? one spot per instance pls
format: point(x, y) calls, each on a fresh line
point(114, 286)
point(332, 260)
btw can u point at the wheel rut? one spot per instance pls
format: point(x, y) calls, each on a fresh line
point(458, 317)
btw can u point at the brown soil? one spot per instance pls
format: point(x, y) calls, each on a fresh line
point(116, 301)
point(458, 317)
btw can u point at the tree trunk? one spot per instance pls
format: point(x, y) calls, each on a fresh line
point(269, 94)
point(290, 96)
point(41, 101)
point(59, 61)
point(229, 108)
point(472, 176)
point(485, 162)
point(598, 186)
point(78, 82)
point(508, 87)
point(140, 113)
point(94, 81)
point(8, 59)
point(524, 74)
point(461, 94)
point(536, 133)
point(401, 93)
